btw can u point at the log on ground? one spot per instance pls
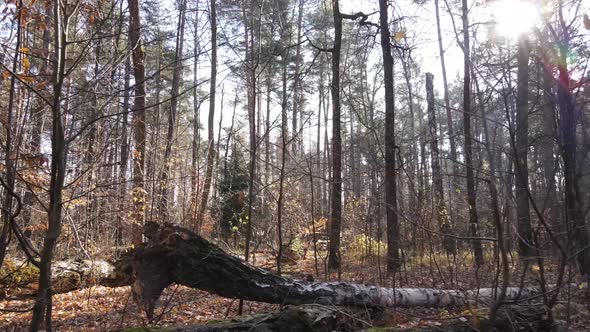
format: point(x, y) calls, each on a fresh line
point(176, 255)
point(19, 278)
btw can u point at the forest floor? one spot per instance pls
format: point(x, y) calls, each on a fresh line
point(105, 309)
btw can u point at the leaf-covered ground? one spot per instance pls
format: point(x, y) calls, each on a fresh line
point(106, 309)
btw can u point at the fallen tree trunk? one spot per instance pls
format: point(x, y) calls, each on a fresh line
point(18, 277)
point(175, 255)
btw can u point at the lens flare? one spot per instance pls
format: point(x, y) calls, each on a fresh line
point(514, 18)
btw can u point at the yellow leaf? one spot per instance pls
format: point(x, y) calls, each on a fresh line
point(25, 50)
point(26, 65)
point(399, 35)
point(5, 75)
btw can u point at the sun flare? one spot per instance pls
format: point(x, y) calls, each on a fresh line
point(514, 18)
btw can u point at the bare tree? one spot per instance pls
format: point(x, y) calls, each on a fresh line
point(59, 154)
point(525, 235)
point(138, 56)
point(437, 182)
point(334, 259)
point(467, 111)
point(210, 124)
point(393, 261)
point(176, 81)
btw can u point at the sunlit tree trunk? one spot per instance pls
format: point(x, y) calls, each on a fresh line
point(210, 124)
point(196, 141)
point(176, 81)
point(139, 130)
point(43, 305)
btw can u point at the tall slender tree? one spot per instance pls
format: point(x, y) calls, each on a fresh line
point(334, 259)
point(210, 120)
point(139, 130)
point(393, 260)
point(442, 213)
point(59, 153)
point(174, 101)
point(467, 112)
point(525, 233)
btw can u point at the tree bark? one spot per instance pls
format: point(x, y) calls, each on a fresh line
point(138, 56)
point(196, 141)
point(525, 235)
point(43, 305)
point(393, 261)
point(450, 129)
point(575, 223)
point(210, 137)
point(284, 125)
point(176, 81)
point(437, 181)
point(471, 194)
point(297, 86)
point(334, 259)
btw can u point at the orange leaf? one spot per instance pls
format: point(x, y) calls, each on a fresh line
point(41, 85)
point(26, 79)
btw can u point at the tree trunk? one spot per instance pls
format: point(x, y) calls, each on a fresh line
point(297, 85)
point(196, 141)
point(10, 151)
point(450, 129)
point(549, 162)
point(334, 259)
point(43, 305)
point(471, 194)
point(521, 146)
point(251, 65)
point(437, 181)
point(176, 81)
point(284, 58)
point(567, 129)
point(393, 261)
point(210, 137)
point(138, 56)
